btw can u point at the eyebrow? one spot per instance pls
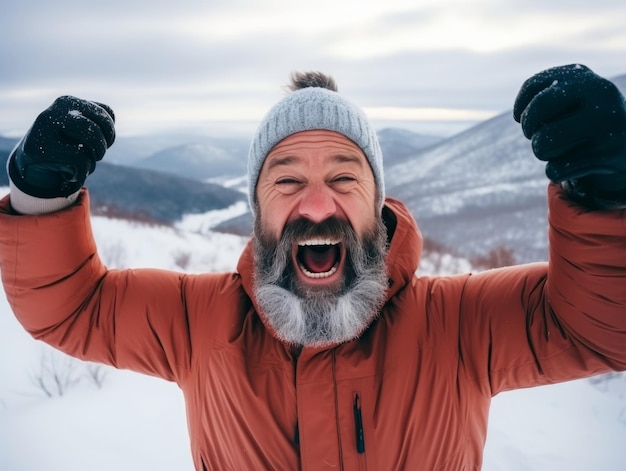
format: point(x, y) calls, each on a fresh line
point(290, 159)
point(281, 161)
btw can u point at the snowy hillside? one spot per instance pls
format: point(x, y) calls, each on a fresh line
point(134, 422)
point(480, 189)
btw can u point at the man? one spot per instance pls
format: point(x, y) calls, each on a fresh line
point(325, 350)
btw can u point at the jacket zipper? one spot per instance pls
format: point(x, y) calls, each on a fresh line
point(358, 424)
point(296, 436)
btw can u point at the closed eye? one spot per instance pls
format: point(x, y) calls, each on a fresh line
point(287, 181)
point(288, 186)
point(345, 178)
point(344, 183)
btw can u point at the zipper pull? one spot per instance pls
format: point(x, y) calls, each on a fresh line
point(296, 435)
point(358, 425)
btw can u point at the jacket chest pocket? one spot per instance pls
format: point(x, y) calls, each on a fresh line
point(357, 436)
point(334, 427)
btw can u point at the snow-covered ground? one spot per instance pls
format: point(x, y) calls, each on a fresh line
point(134, 422)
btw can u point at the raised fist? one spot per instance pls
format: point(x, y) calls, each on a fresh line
point(62, 147)
point(577, 123)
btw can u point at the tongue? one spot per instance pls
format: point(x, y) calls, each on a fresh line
point(319, 258)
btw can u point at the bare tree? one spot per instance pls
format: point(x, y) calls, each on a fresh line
point(95, 374)
point(56, 374)
point(182, 259)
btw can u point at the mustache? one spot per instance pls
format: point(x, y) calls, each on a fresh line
point(331, 228)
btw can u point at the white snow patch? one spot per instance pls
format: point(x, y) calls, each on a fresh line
point(203, 223)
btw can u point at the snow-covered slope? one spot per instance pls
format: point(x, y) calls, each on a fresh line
point(478, 190)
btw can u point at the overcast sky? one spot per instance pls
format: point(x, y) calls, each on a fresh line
point(218, 65)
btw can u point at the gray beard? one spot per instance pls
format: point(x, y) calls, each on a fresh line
point(305, 316)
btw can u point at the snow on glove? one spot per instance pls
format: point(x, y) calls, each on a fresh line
point(62, 147)
point(576, 121)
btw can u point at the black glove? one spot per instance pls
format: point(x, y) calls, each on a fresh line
point(62, 147)
point(577, 123)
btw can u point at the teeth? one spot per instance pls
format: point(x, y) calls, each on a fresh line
point(318, 242)
point(309, 274)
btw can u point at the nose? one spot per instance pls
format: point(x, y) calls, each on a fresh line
point(317, 204)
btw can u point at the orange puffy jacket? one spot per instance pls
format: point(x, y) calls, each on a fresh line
point(412, 393)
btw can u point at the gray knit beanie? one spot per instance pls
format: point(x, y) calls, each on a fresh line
point(308, 109)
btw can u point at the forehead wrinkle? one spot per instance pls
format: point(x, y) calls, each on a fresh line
point(285, 161)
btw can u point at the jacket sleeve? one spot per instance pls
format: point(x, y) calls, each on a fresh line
point(62, 294)
point(549, 322)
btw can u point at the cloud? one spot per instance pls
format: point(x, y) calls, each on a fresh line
point(197, 61)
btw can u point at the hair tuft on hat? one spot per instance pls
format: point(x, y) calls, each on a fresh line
point(300, 80)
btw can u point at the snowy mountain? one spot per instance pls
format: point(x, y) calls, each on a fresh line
point(201, 160)
point(477, 190)
point(130, 422)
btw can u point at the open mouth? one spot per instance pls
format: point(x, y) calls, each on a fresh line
point(318, 258)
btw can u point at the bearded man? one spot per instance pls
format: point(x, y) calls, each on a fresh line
point(325, 350)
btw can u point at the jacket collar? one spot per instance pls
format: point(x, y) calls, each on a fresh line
point(405, 250)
